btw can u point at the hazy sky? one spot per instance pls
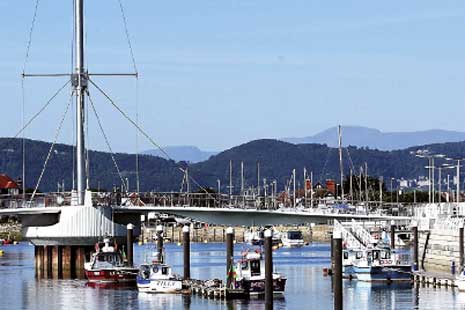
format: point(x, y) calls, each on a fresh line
point(219, 73)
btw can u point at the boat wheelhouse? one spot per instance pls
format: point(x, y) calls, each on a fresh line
point(250, 275)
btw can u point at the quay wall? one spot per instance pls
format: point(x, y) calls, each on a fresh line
point(210, 233)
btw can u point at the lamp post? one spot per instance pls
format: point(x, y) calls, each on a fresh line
point(431, 166)
point(458, 174)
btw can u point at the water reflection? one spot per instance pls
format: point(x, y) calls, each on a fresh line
point(306, 286)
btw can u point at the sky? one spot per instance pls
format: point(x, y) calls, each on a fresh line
point(216, 74)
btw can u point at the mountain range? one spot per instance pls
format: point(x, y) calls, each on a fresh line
point(351, 136)
point(277, 159)
point(376, 139)
point(187, 153)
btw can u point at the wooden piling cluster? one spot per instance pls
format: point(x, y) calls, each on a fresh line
point(434, 279)
point(213, 289)
point(61, 262)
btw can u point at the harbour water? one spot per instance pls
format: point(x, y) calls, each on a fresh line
point(306, 287)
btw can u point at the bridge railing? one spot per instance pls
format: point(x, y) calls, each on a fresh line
point(180, 199)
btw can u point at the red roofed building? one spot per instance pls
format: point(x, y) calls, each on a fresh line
point(8, 185)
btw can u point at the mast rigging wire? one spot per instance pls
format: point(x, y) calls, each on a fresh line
point(41, 109)
point(113, 103)
point(128, 39)
point(51, 149)
point(97, 117)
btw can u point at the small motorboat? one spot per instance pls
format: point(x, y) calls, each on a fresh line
point(460, 280)
point(293, 239)
point(158, 278)
point(107, 266)
point(250, 275)
point(258, 237)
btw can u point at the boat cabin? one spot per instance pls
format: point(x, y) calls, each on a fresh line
point(250, 265)
point(104, 260)
point(294, 235)
point(155, 271)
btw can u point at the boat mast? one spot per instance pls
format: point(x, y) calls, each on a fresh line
point(79, 80)
point(340, 162)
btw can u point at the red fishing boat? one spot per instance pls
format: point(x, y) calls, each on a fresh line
point(107, 266)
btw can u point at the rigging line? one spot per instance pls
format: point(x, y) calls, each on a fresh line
point(51, 149)
point(23, 138)
point(31, 30)
point(106, 141)
point(41, 109)
point(123, 15)
point(350, 159)
point(324, 165)
point(146, 135)
point(137, 139)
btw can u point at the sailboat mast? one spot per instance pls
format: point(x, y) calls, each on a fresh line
point(340, 162)
point(80, 84)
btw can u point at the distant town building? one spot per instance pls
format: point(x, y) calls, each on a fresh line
point(8, 185)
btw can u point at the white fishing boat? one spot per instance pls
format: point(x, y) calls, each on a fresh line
point(382, 265)
point(158, 278)
point(292, 239)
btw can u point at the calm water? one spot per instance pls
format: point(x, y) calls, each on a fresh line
point(307, 288)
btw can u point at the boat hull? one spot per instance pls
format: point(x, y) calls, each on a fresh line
point(257, 287)
point(159, 286)
point(386, 274)
point(126, 276)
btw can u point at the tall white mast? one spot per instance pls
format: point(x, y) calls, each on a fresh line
point(80, 84)
point(340, 162)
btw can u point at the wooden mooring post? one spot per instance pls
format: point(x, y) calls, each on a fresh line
point(415, 245)
point(159, 230)
point(268, 270)
point(130, 244)
point(393, 235)
point(187, 252)
point(337, 272)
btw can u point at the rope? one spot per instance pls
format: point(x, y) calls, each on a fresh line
point(106, 141)
point(146, 135)
point(41, 109)
point(123, 15)
point(51, 149)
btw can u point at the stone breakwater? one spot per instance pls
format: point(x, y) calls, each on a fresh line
point(11, 230)
point(210, 233)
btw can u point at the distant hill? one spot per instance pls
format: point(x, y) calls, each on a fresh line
point(182, 153)
point(155, 173)
point(277, 159)
point(376, 139)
